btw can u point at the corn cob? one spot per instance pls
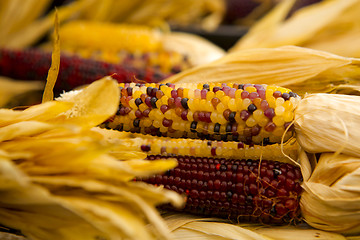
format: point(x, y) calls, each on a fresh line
point(139, 45)
point(251, 114)
point(242, 190)
point(33, 64)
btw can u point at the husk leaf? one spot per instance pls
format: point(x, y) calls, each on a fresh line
point(328, 123)
point(333, 204)
point(190, 227)
point(60, 181)
point(300, 69)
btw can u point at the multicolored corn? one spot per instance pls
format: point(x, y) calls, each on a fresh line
point(227, 140)
point(33, 64)
point(251, 114)
point(138, 45)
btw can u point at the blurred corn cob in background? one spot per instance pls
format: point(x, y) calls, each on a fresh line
point(330, 25)
point(75, 71)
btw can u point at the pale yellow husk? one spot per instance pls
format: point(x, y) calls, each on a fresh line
point(189, 227)
point(331, 197)
point(60, 180)
point(329, 123)
point(330, 25)
point(300, 69)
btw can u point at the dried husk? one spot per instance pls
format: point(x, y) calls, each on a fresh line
point(300, 69)
point(329, 123)
point(330, 25)
point(59, 179)
point(185, 226)
point(331, 197)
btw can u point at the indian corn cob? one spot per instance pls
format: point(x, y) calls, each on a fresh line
point(33, 64)
point(135, 44)
point(236, 169)
point(252, 114)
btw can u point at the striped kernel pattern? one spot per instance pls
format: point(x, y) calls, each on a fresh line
point(243, 190)
point(248, 113)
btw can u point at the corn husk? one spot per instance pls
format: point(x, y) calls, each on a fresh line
point(199, 50)
point(189, 227)
point(10, 89)
point(300, 69)
point(330, 25)
point(30, 27)
point(59, 180)
point(329, 123)
point(207, 14)
point(331, 196)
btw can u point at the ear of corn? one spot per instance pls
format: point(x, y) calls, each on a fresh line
point(243, 190)
point(215, 149)
point(33, 64)
point(253, 114)
point(114, 43)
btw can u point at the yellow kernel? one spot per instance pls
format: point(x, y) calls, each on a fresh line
point(191, 104)
point(269, 93)
point(220, 108)
point(279, 110)
point(278, 121)
point(250, 89)
point(239, 104)
point(238, 93)
point(168, 114)
point(219, 94)
point(132, 103)
point(158, 103)
point(190, 116)
point(137, 94)
point(271, 101)
point(238, 118)
point(167, 92)
point(263, 121)
point(251, 121)
point(157, 123)
point(186, 93)
point(143, 107)
point(211, 126)
point(221, 119)
point(132, 114)
point(225, 100)
point(208, 106)
point(202, 105)
point(288, 116)
point(197, 104)
point(288, 105)
point(164, 100)
point(246, 102)
point(258, 114)
point(222, 128)
point(191, 94)
point(213, 117)
point(146, 122)
point(232, 105)
point(182, 126)
point(278, 131)
point(210, 95)
point(279, 101)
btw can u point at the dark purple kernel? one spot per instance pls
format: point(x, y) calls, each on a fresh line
point(286, 96)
